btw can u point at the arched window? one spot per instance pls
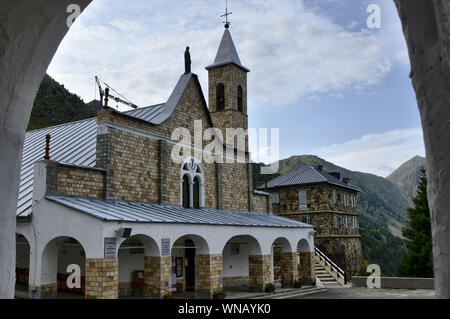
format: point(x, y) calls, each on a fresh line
point(186, 195)
point(240, 101)
point(220, 97)
point(192, 187)
point(196, 192)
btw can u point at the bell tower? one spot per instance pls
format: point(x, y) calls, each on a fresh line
point(227, 81)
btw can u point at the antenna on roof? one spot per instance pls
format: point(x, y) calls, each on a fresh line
point(227, 13)
point(122, 99)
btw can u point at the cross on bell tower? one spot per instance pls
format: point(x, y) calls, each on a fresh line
point(227, 13)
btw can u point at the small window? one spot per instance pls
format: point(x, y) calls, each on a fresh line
point(196, 192)
point(240, 100)
point(305, 219)
point(220, 97)
point(186, 195)
point(335, 220)
point(302, 201)
point(334, 197)
point(274, 198)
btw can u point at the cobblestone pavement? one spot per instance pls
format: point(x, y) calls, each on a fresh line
point(366, 293)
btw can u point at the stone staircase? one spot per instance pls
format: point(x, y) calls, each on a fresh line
point(325, 276)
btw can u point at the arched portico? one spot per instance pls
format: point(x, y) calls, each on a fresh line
point(196, 270)
point(63, 264)
point(244, 265)
point(285, 262)
point(138, 273)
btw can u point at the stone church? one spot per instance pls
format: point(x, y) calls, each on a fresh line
point(103, 202)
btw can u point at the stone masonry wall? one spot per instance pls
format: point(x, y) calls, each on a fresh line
point(81, 182)
point(337, 237)
point(136, 171)
point(157, 271)
point(306, 273)
point(208, 270)
point(259, 271)
point(260, 203)
point(102, 275)
point(319, 198)
point(289, 269)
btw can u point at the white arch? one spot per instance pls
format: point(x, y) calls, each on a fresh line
point(201, 244)
point(151, 247)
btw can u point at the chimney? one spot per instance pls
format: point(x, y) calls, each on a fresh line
point(320, 167)
point(346, 180)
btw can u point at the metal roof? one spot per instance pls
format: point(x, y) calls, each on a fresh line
point(227, 53)
point(307, 174)
point(143, 212)
point(73, 143)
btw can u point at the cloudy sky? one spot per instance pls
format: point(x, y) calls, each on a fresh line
point(334, 87)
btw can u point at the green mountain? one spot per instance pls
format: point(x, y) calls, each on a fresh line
point(382, 208)
point(407, 176)
point(56, 105)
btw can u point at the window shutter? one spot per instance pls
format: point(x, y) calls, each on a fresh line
point(302, 201)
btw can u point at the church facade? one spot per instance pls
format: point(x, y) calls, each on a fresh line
point(109, 202)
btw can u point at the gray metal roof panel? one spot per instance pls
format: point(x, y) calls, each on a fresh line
point(73, 143)
point(129, 211)
point(306, 174)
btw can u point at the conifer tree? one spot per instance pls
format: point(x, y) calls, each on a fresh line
point(418, 262)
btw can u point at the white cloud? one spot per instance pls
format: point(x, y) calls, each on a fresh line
point(292, 52)
point(378, 154)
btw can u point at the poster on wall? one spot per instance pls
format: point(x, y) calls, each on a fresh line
point(179, 267)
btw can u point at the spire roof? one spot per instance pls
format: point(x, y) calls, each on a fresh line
point(227, 53)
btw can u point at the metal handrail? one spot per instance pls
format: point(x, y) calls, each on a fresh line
point(329, 262)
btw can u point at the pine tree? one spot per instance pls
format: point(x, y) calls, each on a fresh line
point(418, 262)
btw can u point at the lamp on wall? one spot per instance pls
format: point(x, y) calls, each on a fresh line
point(312, 233)
point(124, 232)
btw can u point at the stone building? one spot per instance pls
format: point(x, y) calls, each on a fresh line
point(314, 196)
point(109, 200)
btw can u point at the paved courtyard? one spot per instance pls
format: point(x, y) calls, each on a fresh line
point(366, 293)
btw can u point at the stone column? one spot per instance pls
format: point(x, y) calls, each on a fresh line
point(48, 291)
point(102, 278)
point(259, 272)
point(208, 273)
point(306, 273)
point(157, 276)
point(289, 272)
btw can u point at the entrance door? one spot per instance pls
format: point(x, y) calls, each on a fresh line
point(190, 268)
